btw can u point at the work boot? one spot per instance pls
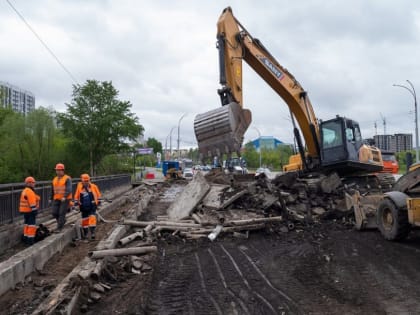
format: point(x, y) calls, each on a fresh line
point(85, 233)
point(92, 232)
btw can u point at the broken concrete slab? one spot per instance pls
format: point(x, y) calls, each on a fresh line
point(193, 193)
point(213, 198)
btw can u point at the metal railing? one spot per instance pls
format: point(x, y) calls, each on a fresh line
point(10, 194)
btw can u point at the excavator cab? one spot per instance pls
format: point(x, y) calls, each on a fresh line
point(343, 150)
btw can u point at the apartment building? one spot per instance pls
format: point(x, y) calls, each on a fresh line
point(395, 143)
point(19, 100)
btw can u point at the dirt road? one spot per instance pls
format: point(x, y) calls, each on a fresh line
point(320, 269)
point(323, 268)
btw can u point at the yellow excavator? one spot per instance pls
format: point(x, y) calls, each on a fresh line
point(334, 145)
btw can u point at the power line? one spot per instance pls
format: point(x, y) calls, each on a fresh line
point(43, 43)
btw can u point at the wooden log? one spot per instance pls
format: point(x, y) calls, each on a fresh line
point(122, 252)
point(73, 302)
point(254, 221)
point(158, 223)
point(130, 238)
point(196, 218)
point(148, 228)
point(174, 228)
point(96, 273)
point(195, 236)
point(227, 229)
point(180, 224)
point(243, 227)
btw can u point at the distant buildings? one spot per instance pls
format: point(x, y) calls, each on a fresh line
point(266, 143)
point(395, 143)
point(19, 100)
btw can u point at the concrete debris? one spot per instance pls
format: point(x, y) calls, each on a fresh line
point(193, 193)
point(279, 204)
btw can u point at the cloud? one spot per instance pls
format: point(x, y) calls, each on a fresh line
point(161, 56)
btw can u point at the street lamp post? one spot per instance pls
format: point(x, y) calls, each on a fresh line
point(179, 123)
point(170, 141)
point(413, 93)
point(259, 141)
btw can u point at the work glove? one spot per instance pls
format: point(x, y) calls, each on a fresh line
point(63, 199)
point(35, 212)
point(49, 202)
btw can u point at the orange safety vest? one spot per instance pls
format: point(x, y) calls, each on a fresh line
point(91, 188)
point(59, 186)
point(29, 200)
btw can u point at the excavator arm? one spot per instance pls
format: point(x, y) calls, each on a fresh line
point(236, 45)
point(331, 145)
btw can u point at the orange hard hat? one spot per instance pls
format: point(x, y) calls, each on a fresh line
point(59, 166)
point(85, 177)
point(29, 180)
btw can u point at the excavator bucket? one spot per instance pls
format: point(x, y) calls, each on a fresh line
point(221, 131)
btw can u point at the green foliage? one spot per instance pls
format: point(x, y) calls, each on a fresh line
point(402, 160)
point(96, 122)
point(116, 164)
point(274, 159)
point(28, 145)
point(155, 144)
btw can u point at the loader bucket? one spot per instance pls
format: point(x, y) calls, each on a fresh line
point(221, 131)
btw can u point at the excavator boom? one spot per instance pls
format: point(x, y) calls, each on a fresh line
point(333, 145)
point(221, 130)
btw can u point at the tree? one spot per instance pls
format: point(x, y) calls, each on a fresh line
point(155, 144)
point(29, 145)
point(42, 135)
point(97, 122)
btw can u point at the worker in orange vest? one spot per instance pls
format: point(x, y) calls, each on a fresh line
point(61, 196)
point(87, 196)
point(29, 205)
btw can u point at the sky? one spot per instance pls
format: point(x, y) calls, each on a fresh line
point(161, 56)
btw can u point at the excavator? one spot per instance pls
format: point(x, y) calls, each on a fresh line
point(333, 145)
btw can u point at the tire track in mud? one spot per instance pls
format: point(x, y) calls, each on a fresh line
point(203, 286)
point(228, 290)
point(275, 299)
point(215, 280)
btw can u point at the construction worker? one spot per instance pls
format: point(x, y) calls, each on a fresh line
point(61, 196)
point(29, 205)
point(87, 196)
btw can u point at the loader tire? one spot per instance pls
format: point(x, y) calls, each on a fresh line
point(393, 221)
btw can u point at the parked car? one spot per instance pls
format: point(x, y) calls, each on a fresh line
point(188, 173)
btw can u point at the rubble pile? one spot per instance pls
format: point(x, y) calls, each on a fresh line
point(219, 203)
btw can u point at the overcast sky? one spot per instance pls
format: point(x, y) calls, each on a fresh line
point(162, 57)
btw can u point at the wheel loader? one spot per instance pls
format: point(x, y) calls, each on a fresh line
point(394, 213)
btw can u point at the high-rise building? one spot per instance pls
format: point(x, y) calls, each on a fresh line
point(19, 100)
point(395, 143)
